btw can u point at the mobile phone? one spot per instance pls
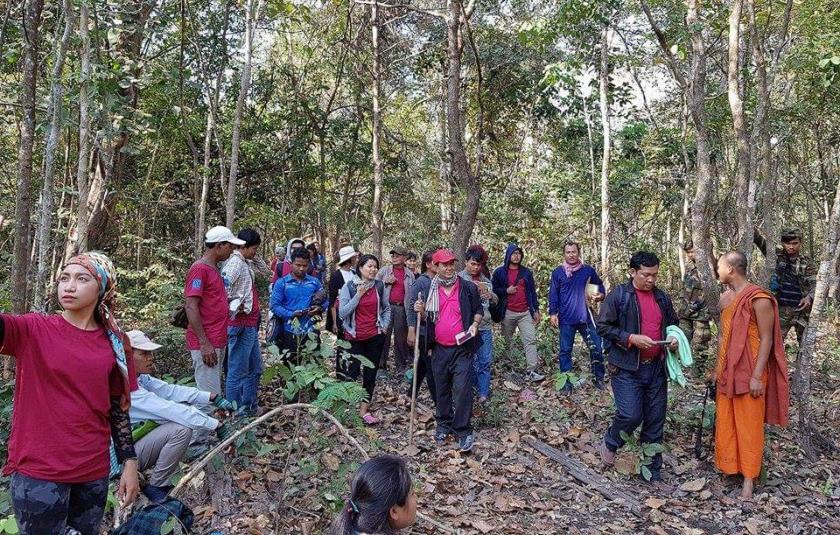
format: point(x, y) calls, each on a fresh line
point(662, 342)
point(462, 337)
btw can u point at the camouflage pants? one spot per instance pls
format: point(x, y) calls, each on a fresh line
point(697, 332)
point(789, 317)
point(46, 508)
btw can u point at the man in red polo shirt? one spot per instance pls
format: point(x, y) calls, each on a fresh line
point(454, 307)
point(399, 280)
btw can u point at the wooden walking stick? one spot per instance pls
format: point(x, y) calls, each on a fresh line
point(414, 377)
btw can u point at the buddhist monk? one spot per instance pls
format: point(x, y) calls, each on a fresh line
point(751, 373)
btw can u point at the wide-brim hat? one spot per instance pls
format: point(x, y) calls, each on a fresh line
point(346, 253)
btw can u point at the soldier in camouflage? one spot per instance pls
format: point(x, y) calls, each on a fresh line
point(694, 318)
point(792, 282)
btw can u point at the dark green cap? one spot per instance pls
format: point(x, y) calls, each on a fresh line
point(791, 234)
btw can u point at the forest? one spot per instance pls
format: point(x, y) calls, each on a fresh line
point(134, 126)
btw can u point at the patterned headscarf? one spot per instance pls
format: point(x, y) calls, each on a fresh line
point(101, 267)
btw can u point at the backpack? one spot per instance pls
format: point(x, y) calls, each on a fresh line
point(151, 519)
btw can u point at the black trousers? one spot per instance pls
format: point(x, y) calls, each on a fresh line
point(453, 370)
point(351, 367)
point(424, 371)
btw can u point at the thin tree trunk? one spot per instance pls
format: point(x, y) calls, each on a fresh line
point(802, 377)
point(593, 174)
point(443, 167)
point(378, 216)
point(23, 194)
point(736, 105)
point(252, 14)
point(604, 100)
point(82, 170)
point(455, 127)
point(53, 139)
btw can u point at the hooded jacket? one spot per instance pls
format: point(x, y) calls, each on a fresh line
point(285, 267)
point(500, 281)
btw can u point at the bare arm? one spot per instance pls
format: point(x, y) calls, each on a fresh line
point(764, 317)
point(208, 354)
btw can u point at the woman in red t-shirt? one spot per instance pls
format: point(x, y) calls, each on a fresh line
point(72, 393)
point(365, 313)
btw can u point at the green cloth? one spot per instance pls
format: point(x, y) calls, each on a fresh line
point(142, 429)
point(676, 361)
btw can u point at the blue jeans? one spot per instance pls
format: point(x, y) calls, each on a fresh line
point(641, 397)
point(483, 362)
point(593, 342)
point(244, 367)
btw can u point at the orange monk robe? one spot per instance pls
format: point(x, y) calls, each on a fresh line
point(740, 418)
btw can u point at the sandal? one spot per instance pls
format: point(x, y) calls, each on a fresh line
point(370, 419)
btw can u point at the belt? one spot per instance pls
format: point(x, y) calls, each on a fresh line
point(397, 304)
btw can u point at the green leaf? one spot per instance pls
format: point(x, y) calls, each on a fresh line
point(168, 526)
point(646, 473)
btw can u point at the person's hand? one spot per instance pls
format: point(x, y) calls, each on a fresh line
point(673, 345)
point(537, 317)
point(641, 341)
point(804, 303)
point(473, 330)
point(484, 292)
point(596, 298)
point(410, 337)
point(223, 431)
point(511, 290)
point(420, 306)
point(555, 321)
point(389, 279)
point(224, 404)
point(756, 387)
point(208, 355)
point(362, 289)
point(314, 310)
point(299, 313)
point(129, 487)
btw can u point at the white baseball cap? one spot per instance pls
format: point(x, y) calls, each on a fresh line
point(346, 253)
point(140, 341)
point(222, 234)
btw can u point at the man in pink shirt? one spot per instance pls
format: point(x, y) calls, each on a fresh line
point(453, 312)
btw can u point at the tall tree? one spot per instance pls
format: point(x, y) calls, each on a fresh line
point(23, 195)
point(378, 223)
point(604, 101)
point(82, 182)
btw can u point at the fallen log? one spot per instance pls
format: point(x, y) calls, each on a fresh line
point(591, 480)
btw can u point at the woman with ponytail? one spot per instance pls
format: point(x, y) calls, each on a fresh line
point(382, 499)
point(73, 387)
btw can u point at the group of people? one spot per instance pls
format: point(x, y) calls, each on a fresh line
point(83, 384)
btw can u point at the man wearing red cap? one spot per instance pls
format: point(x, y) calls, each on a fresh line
point(454, 308)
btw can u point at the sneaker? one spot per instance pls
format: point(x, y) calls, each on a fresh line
point(599, 384)
point(607, 455)
point(440, 437)
point(465, 443)
point(567, 388)
point(535, 377)
point(156, 494)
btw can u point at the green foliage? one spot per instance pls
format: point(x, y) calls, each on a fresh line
point(9, 525)
point(646, 452)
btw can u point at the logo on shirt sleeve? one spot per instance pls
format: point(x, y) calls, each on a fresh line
point(196, 284)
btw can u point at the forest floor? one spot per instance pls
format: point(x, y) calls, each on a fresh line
point(299, 477)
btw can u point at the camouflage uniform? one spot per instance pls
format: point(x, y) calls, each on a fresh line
point(43, 507)
point(797, 272)
point(694, 318)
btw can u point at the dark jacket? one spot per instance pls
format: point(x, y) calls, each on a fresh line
point(500, 281)
point(333, 287)
point(619, 318)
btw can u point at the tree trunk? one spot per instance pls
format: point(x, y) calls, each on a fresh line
point(44, 226)
point(700, 224)
point(604, 100)
point(23, 194)
point(736, 105)
point(802, 376)
point(252, 14)
point(82, 182)
point(464, 176)
point(378, 223)
point(443, 160)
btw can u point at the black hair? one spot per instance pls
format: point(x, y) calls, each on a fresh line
point(738, 261)
point(300, 252)
point(643, 258)
point(427, 259)
point(571, 242)
point(312, 247)
point(474, 254)
point(364, 260)
point(379, 484)
point(250, 236)
point(411, 256)
point(688, 245)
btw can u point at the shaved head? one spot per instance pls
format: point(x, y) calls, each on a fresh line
point(737, 260)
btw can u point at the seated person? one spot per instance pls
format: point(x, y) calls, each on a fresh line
point(163, 419)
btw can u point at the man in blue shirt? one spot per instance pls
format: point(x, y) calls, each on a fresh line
point(568, 299)
point(297, 299)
